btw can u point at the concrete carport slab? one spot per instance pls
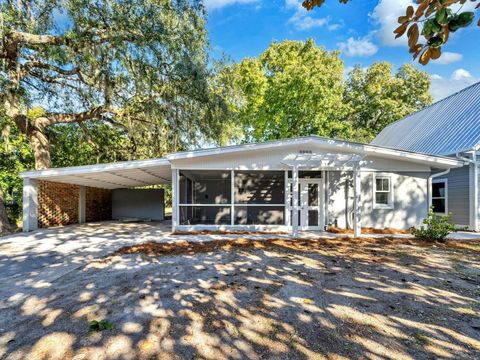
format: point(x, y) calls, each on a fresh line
point(128, 174)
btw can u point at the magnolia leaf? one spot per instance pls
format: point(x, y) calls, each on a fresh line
point(436, 52)
point(410, 11)
point(431, 9)
point(441, 16)
point(435, 41)
point(415, 48)
point(413, 35)
point(425, 57)
point(417, 51)
point(421, 8)
point(403, 19)
point(400, 30)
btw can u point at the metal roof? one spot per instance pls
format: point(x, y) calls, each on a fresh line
point(444, 128)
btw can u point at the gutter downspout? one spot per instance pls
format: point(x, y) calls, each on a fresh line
point(474, 197)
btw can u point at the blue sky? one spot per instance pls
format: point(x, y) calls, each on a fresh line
point(361, 29)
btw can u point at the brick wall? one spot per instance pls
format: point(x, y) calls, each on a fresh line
point(98, 204)
point(57, 204)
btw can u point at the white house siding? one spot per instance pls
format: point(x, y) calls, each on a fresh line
point(410, 200)
point(339, 198)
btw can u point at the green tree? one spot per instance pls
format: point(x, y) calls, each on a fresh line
point(15, 156)
point(140, 65)
point(433, 20)
point(376, 97)
point(280, 94)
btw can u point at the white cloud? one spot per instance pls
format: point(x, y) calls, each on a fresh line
point(442, 87)
point(217, 4)
point(359, 47)
point(448, 58)
point(386, 14)
point(300, 18)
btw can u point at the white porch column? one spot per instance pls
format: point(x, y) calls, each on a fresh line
point(295, 201)
point(175, 199)
point(30, 204)
point(357, 189)
point(81, 205)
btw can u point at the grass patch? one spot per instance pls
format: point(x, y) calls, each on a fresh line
point(421, 338)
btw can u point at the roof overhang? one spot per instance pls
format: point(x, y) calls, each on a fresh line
point(139, 173)
point(331, 145)
point(126, 174)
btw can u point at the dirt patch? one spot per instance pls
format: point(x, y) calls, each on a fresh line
point(182, 247)
point(366, 298)
point(369, 230)
point(229, 232)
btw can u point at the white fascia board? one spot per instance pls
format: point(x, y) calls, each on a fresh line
point(330, 144)
point(90, 169)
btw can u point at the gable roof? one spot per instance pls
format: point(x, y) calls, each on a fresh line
point(155, 171)
point(327, 144)
point(443, 128)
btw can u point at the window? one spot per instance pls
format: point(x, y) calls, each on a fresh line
point(259, 197)
point(382, 192)
point(205, 197)
point(439, 196)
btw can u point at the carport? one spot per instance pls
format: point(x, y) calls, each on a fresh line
point(99, 192)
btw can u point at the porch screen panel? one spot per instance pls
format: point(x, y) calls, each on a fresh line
point(259, 198)
point(205, 197)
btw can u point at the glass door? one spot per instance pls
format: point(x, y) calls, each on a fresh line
point(310, 203)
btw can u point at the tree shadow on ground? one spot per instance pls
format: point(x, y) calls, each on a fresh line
point(262, 299)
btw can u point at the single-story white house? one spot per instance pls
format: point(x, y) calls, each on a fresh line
point(285, 185)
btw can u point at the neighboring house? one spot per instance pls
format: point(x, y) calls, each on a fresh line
point(292, 184)
point(450, 127)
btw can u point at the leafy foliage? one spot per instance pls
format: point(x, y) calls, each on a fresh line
point(138, 67)
point(279, 94)
point(100, 325)
point(437, 18)
point(375, 97)
point(15, 156)
point(436, 227)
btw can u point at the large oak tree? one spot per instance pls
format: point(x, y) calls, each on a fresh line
point(139, 66)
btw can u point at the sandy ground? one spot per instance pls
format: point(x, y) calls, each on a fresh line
point(278, 299)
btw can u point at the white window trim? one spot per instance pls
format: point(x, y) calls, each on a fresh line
point(390, 204)
point(435, 181)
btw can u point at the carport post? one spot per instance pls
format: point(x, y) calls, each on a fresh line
point(30, 204)
point(81, 205)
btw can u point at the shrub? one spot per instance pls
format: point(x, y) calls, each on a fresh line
point(437, 228)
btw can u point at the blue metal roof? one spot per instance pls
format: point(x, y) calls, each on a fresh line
point(443, 128)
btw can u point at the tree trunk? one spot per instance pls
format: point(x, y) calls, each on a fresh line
point(41, 149)
point(5, 226)
point(38, 141)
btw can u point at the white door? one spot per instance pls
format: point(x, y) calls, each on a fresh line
point(310, 204)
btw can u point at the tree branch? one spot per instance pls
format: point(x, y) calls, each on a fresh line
point(68, 118)
point(33, 39)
